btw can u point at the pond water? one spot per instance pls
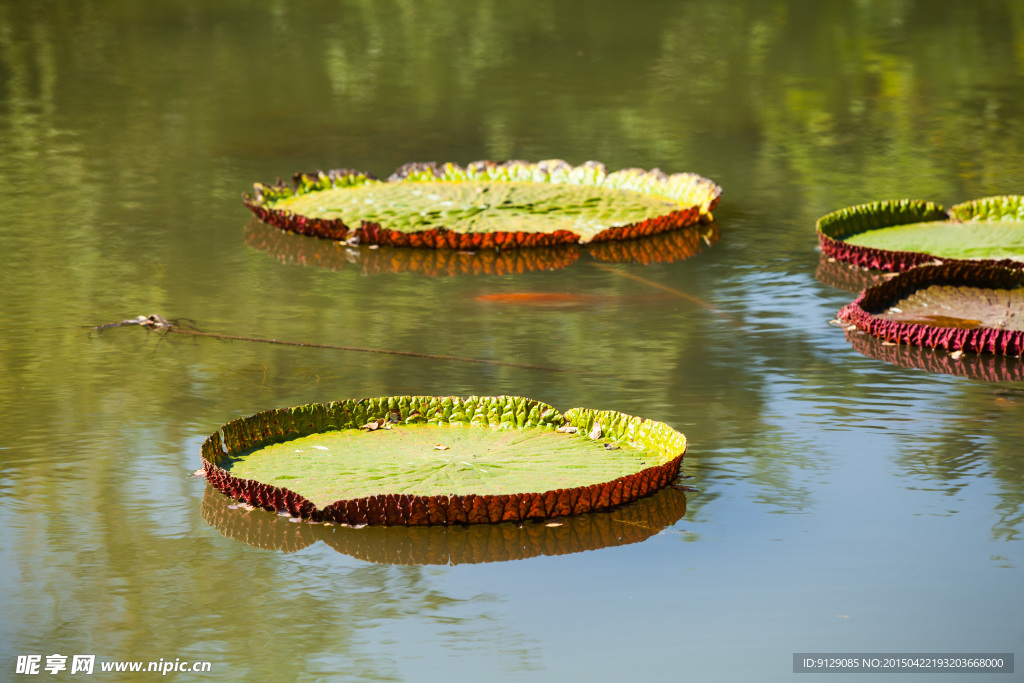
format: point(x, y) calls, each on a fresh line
point(849, 501)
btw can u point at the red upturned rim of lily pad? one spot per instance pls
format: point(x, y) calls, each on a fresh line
point(511, 412)
point(697, 195)
point(835, 228)
point(865, 310)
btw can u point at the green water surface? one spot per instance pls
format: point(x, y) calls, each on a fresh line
point(845, 504)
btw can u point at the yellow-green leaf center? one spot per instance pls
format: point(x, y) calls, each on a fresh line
point(481, 206)
point(429, 460)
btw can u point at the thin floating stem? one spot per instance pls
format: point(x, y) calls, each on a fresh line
point(671, 290)
point(159, 323)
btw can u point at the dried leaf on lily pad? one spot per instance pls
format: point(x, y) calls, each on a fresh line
point(487, 205)
point(503, 461)
point(449, 545)
point(958, 306)
point(897, 235)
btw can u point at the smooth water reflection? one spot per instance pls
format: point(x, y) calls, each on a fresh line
point(433, 545)
point(848, 502)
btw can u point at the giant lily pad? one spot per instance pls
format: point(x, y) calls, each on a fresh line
point(440, 460)
point(448, 545)
point(956, 306)
point(487, 205)
point(897, 235)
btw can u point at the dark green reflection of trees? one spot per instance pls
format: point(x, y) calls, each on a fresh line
point(851, 102)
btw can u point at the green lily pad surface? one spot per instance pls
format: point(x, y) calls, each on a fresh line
point(897, 235)
point(429, 460)
point(1002, 239)
point(487, 204)
point(440, 460)
point(482, 206)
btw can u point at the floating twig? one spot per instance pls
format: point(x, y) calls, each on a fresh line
point(159, 323)
point(153, 322)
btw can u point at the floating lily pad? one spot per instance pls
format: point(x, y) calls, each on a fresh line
point(898, 235)
point(440, 460)
point(449, 545)
point(487, 205)
point(301, 250)
point(985, 367)
point(956, 306)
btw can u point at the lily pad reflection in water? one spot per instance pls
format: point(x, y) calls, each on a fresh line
point(985, 367)
point(294, 249)
point(450, 545)
point(301, 250)
point(847, 277)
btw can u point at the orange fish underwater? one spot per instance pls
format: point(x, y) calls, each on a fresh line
point(556, 299)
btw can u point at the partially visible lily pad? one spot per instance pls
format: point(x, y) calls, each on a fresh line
point(958, 306)
point(950, 306)
point(898, 235)
point(440, 460)
point(450, 545)
point(487, 205)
